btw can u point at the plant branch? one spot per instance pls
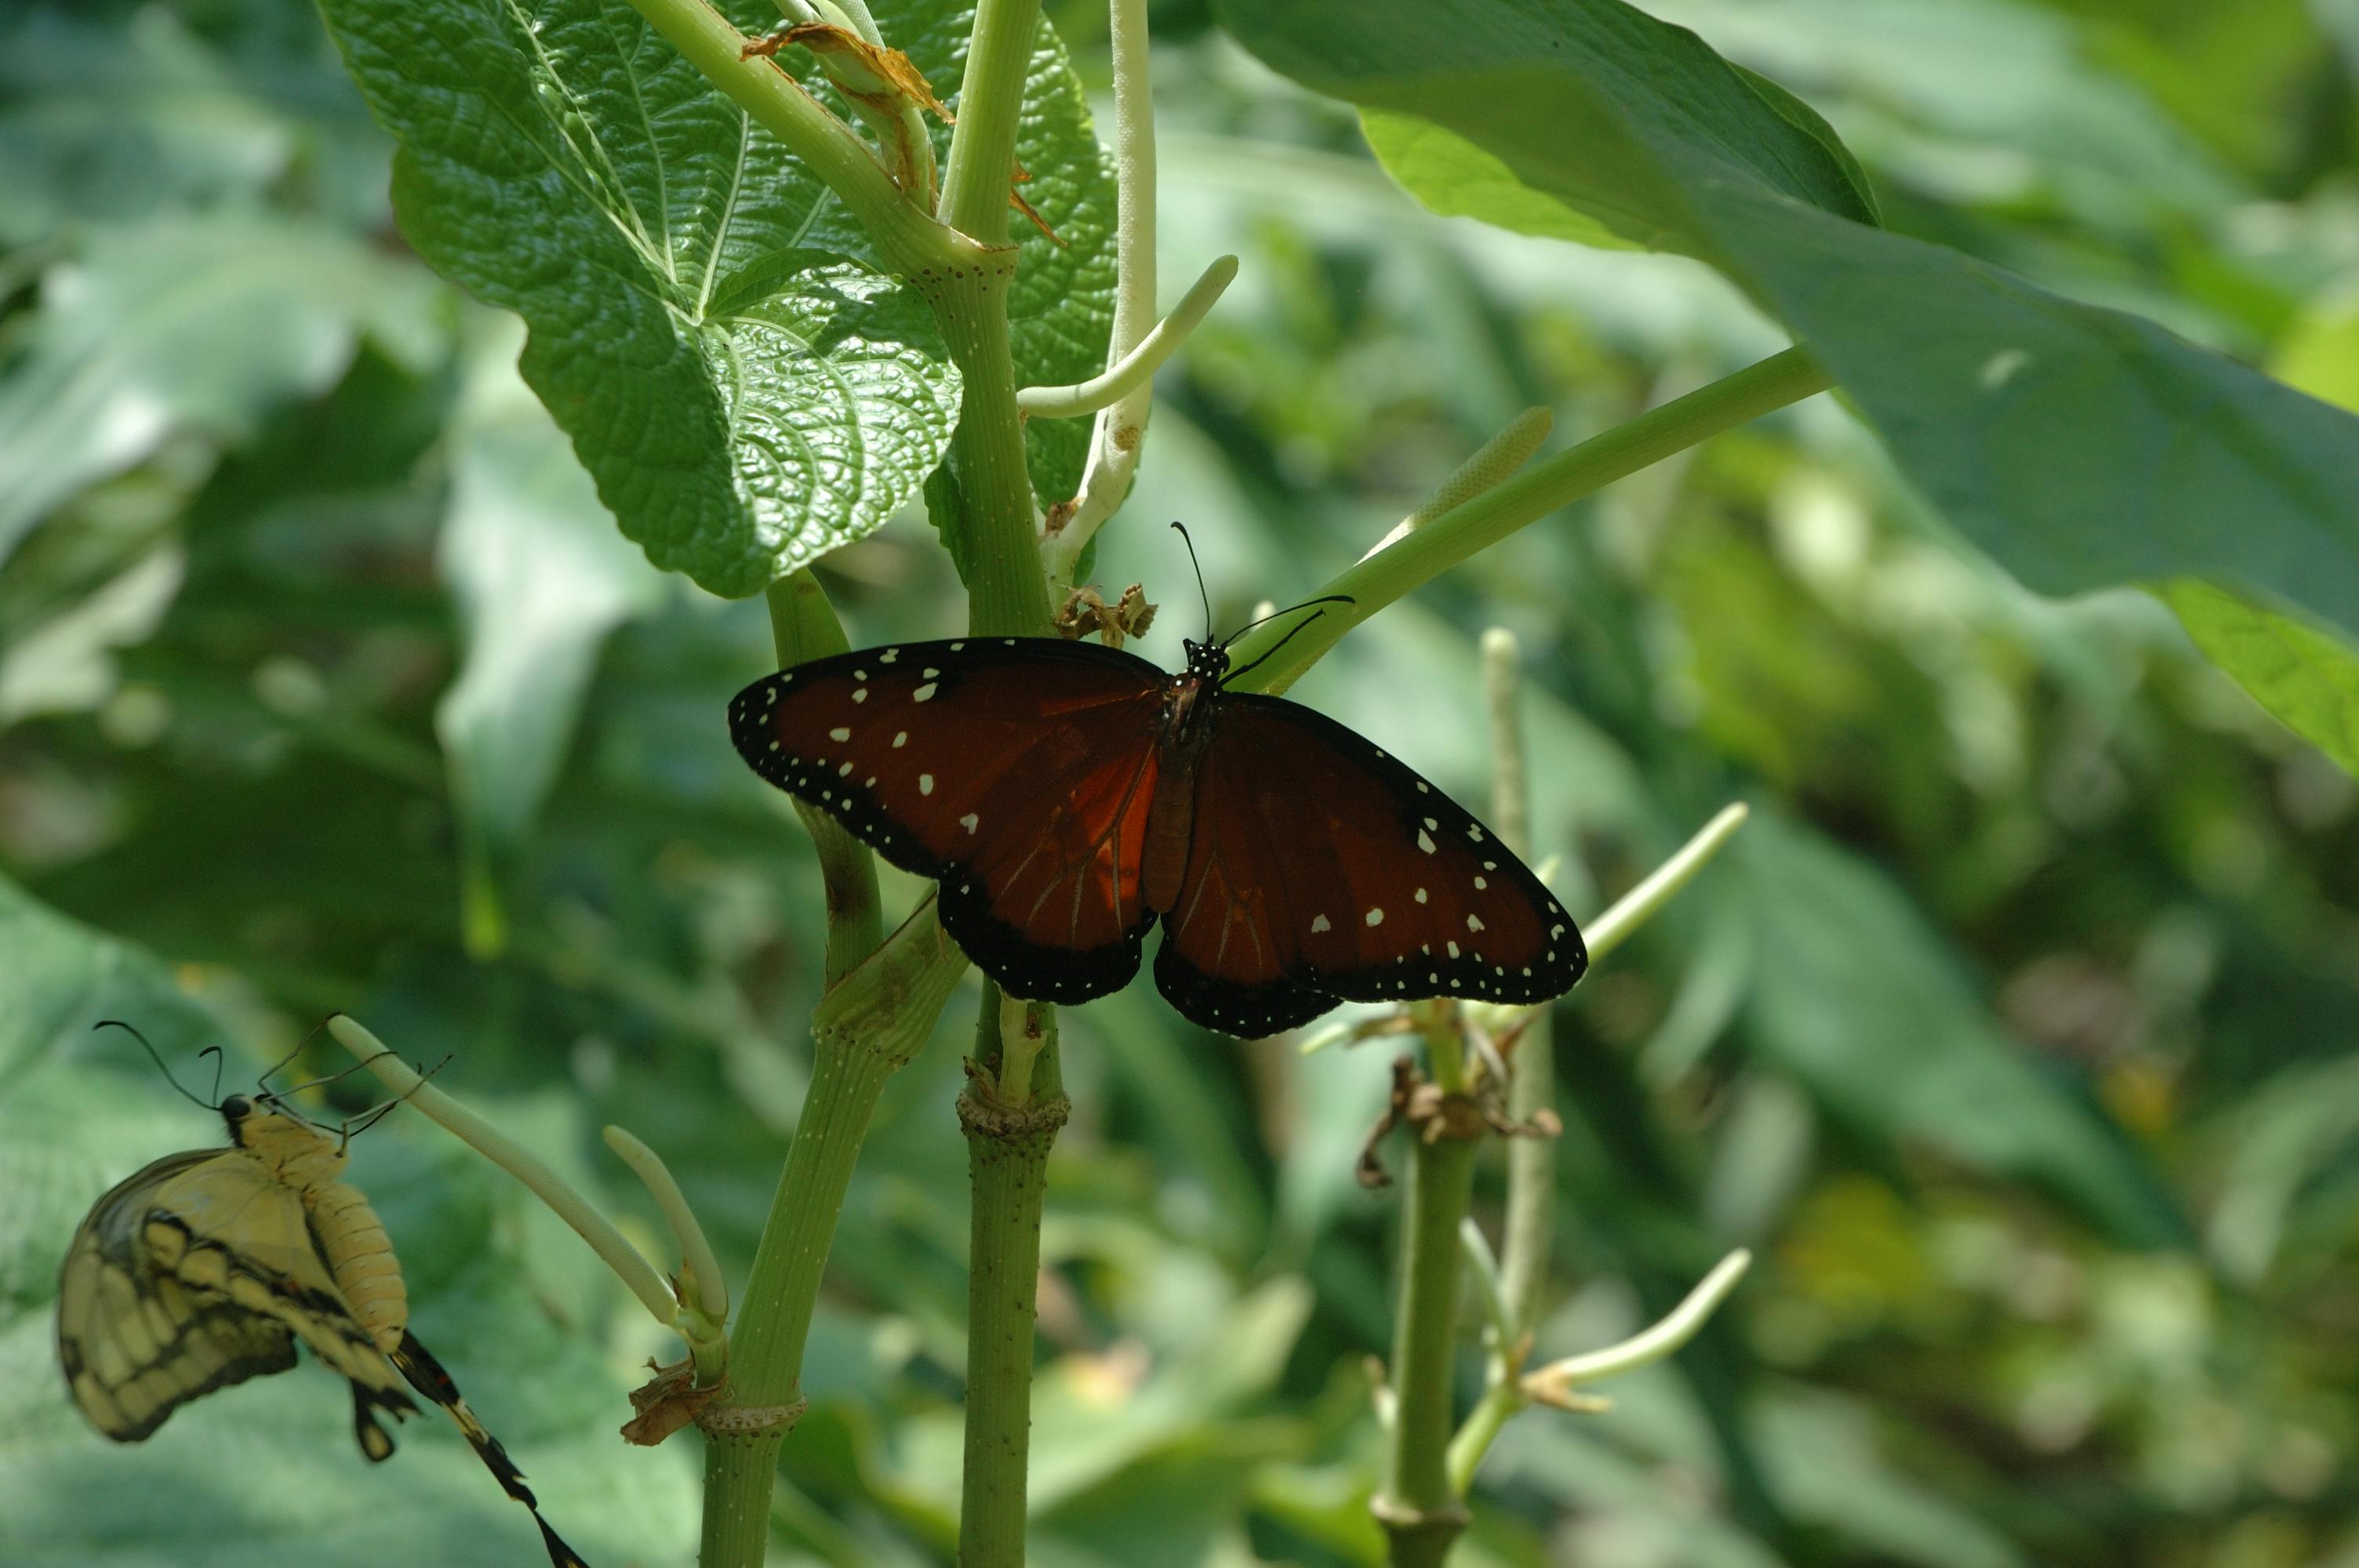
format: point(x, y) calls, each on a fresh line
point(1531, 1085)
point(702, 1286)
point(864, 1030)
point(1011, 1111)
point(1419, 1508)
point(1477, 523)
point(1637, 906)
point(1116, 437)
point(1495, 460)
point(1552, 1383)
point(979, 173)
point(1131, 370)
point(905, 232)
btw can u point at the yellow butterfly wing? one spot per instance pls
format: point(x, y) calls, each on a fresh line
point(196, 1274)
point(134, 1344)
point(202, 1270)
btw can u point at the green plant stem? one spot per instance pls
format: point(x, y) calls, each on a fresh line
point(981, 170)
point(995, 518)
point(1009, 1132)
point(1420, 1511)
point(1477, 523)
point(865, 1028)
point(1531, 1086)
point(803, 627)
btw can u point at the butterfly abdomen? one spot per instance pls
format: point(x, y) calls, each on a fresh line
point(360, 1259)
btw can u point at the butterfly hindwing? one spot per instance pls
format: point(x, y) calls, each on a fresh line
point(1322, 866)
point(1017, 772)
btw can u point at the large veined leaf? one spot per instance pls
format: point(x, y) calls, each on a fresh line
point(2081, 446)
point(269, 1470)
point(745, 386)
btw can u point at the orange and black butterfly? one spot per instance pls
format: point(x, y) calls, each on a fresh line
point(1067, 796)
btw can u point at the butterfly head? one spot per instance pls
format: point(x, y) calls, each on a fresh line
point(1208, 662)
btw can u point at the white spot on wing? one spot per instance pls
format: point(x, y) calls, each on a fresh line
point(1375, 917)
point(1319, 923)
point(1472, 924)
point(1420, 895)
point(860, 694)
point(900, 739)
point(839, 733)
point(888, 656)
point(923, 693)
point(925, 783)
point(1453, 948)
point(1481, 882)
point(1424, 842)
point(970, 821)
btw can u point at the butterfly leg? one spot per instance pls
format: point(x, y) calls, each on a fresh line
point(376, 1443)
point(427, 1375)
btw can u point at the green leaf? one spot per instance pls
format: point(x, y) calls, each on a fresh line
point(2080, 446)
point(744, 402)
point(269, 1469)
point(174, 327)
point(1856, 996)
point(2308, 679)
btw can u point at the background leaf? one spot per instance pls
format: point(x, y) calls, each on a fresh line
point(2081, 446)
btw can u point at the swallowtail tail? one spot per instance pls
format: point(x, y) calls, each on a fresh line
point(202, 1270)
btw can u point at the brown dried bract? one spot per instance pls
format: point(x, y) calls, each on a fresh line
point(1016, 200)
point(1086, 615)
point(882, 79)
point(666, 1403)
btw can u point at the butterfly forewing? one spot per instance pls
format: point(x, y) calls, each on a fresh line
point(1018, 773)
point(1323, 867)
point(186, 1344)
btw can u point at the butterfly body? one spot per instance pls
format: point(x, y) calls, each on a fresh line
point(203, 1268)
point(1068, 796)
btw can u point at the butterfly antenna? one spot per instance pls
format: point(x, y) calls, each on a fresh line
point(1282, 641)
point(375, 1114)
point(1328, 599)
point(300, 1047)
point(152, 1052)
point(1201, 592)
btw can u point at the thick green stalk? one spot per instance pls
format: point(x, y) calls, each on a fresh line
point(981, 170)
point(865, 1028)
point(992, 514)
point(1419, 1508)
point(1011, 1112)
point(1481, 522)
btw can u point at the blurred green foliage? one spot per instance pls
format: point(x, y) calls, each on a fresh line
point(2014, 1034)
